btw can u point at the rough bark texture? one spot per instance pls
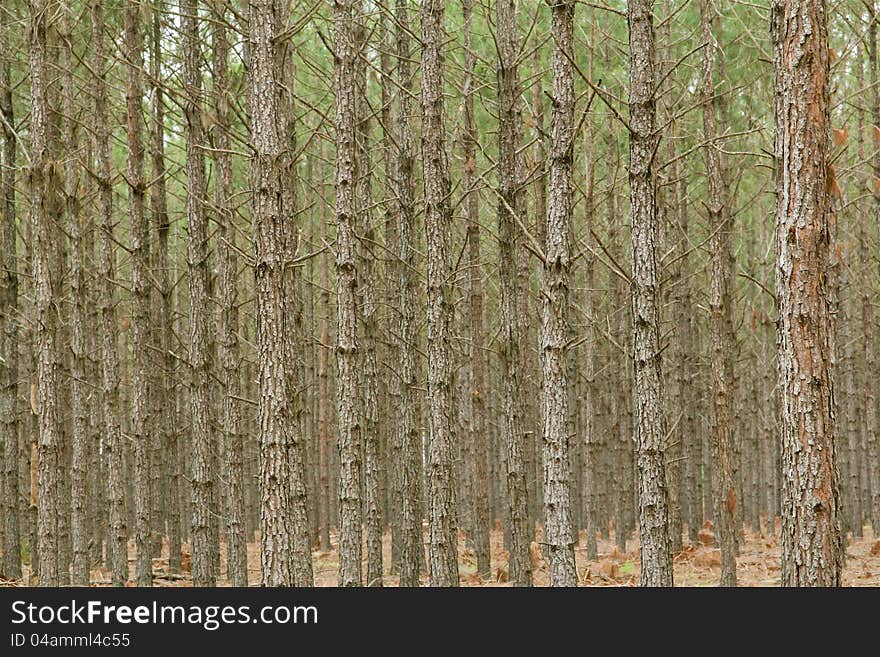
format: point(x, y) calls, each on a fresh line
point(159, 206)
point(555, 307)
point(650, 426)
point(406, 450)
point(271, 222)
point(43, 175)
point(477, 430)
point(369, 317)
point(347, 349)
point(10, 568)
point(720, 332)
point(872, 400)
point(79, 394)
point(511, 338)
point(197, 261)
point(811, 540)
point(112, 435)
point(230, 358)
point(139, 229)
point(443, 535)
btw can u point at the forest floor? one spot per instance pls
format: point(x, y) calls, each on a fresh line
point(758, 563)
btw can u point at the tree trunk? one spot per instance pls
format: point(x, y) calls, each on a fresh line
point(443, 535)
point(197, 261)
point(43, 182)
point(161, 220)
point(511, 338)
point(112, 438)
point(811, 541)
point(10, 568)
point(79, 295)
point(477, 431)
point(719, 217)
point(872, 409)
point(278, 546)
point(230, 358)
point(555, 310)
point(369, 316)
point(140, 288)
point(407, 442)
point(348, 356)
point(650, 426)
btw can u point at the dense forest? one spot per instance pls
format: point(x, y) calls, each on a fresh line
point(402, 292)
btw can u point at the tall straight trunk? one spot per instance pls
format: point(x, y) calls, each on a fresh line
point(324, 407)
point(443, 535)
point(158, 452)
point(511, 339)
point(389, 289)
point(10, 568)
point(79, 397)
point(140, 288)
point(477, 431)
point(197, 261)
point(112, 439)
point(407, 448)
point(55, 176)
point(650, 426)
point(555, 307)
point(590, 424)
point(669, 205)
point(369, 317)
point(872, 404)
point(230, 358)
point(283, 561)
point(719, 218)
point(348, 356)
point(44, 224)
point(286, 118)
point(162, 225)
point(811, 540)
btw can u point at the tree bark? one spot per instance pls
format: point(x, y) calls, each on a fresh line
point(477, 431)
point(720, 332)
point(555, 307)
point(43, 182)
point(141, 436)
point(811, 541)
point(348, 355)
point(407, 448)
point(650, 426)
point(9, 328)
point(369, 315)
point(511, 338)
point(197, 261)
point(443, 534)
point(112, 439)
point(230, 357)
point(282, 558)
point(79, 397)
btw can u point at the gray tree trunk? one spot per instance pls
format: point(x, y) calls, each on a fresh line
point(650, 426)
point(9, 327)
point(720, 332)
point(478, 428)
point(511, 338)
point(443, 534)
point(555, 330)
point(43, 184)
point(230, 357)
point(348, 356)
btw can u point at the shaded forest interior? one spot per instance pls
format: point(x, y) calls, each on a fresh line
point(371, 292)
